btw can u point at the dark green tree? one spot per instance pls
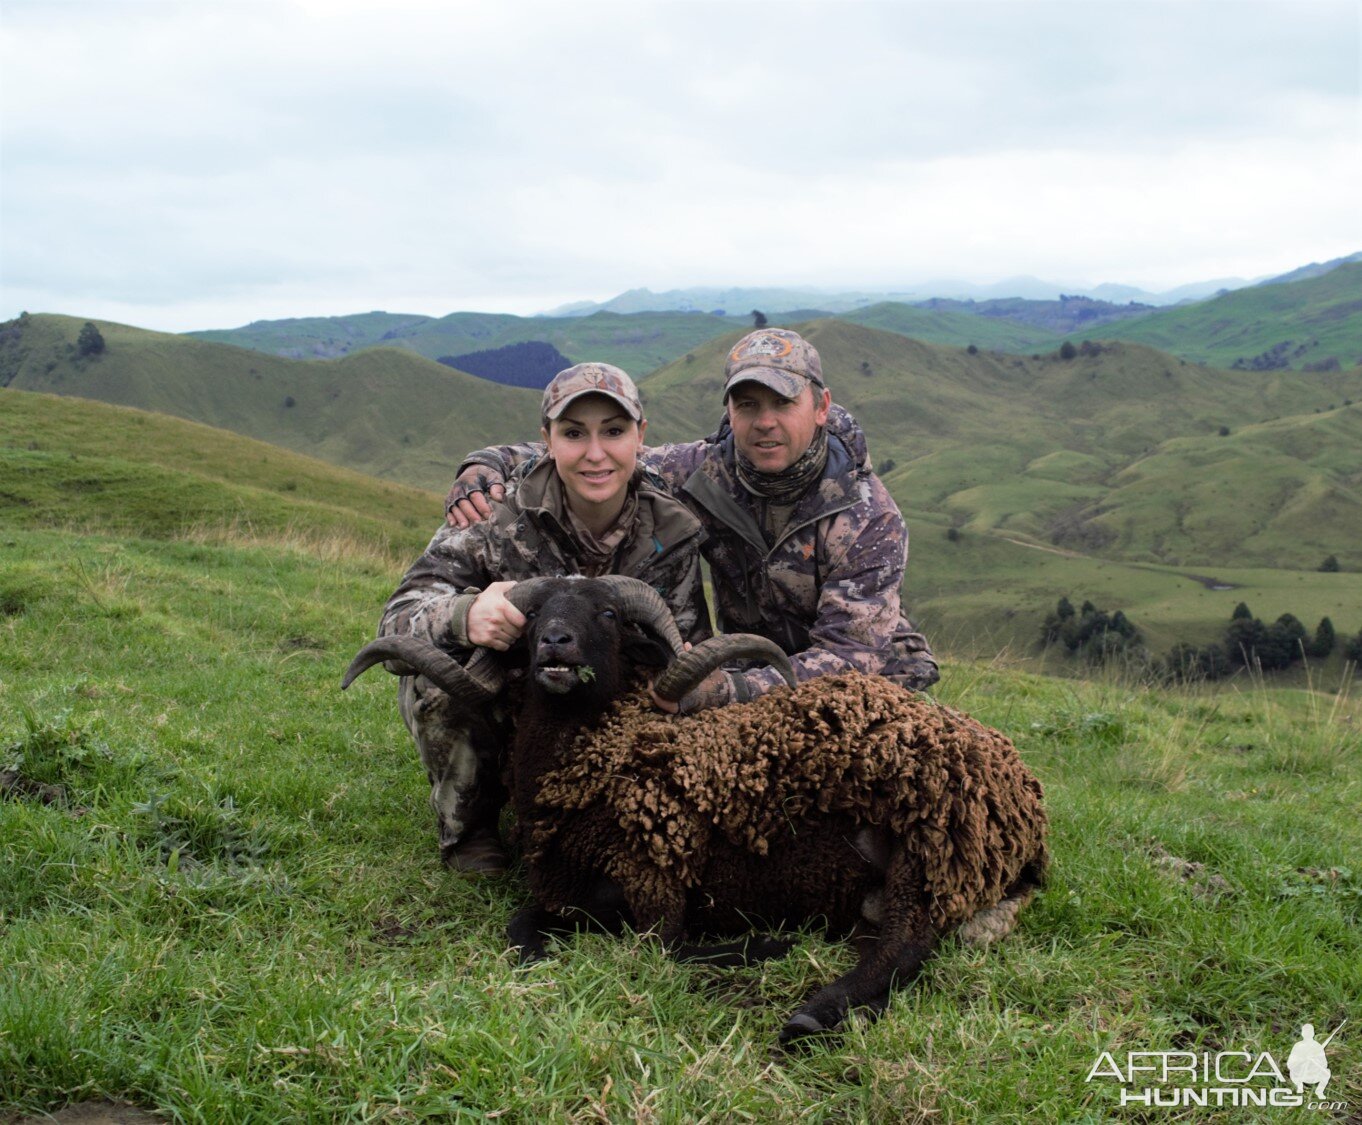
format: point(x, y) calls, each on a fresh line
point(1067, 350)
point(89, 342)
point(1324, 641)
point(758, 319)
point(1330, 565)
point(1284, 643)
point(1242, 613)
point(1243, 640)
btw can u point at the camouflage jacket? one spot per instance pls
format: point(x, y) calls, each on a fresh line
point(827, 589)
point(529, 536)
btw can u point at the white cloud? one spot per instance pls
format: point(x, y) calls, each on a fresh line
point(231, 161)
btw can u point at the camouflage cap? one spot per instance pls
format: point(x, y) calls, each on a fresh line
point(775, 358)
point(591, 379)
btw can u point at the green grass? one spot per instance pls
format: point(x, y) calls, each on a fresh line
point(984, 594)
point(233, 910)
point(954, 329)
point(90, 466)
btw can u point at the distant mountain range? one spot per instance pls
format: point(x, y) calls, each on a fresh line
point(1306, 319)
point(740, 302)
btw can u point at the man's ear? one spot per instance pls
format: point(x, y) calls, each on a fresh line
point(824, 405)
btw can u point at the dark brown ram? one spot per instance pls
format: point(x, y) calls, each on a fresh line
point(888, 817)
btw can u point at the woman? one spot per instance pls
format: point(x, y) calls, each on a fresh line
point(584, 507)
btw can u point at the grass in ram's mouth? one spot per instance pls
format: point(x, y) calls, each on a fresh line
point(220, 897)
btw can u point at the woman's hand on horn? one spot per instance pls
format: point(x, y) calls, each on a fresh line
point(494, 622)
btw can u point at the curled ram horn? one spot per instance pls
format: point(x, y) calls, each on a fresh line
point(688, 669)
point(640, 603)
point(480, 679)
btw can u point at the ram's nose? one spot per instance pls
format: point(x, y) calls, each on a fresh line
point(553, 639)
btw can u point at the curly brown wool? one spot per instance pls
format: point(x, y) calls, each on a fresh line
point(857, 747)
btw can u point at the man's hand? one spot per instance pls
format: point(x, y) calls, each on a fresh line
point(494, 622)
point(468, 501)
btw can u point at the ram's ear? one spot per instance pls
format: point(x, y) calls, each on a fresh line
point(645, 649)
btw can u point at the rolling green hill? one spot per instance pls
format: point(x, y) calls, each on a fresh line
point(1314, 321)
point(958, 329)
point(1044, 450)
point(1115, 459)
point(88, 466)
point(384, 411)
point(638, 343)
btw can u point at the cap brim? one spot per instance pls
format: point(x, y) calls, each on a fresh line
point(785, 383)
point(633, 410)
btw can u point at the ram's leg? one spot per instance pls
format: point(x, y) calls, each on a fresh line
point(531, 925)
point(906, 940)
point(601, 907)
point(528, 930)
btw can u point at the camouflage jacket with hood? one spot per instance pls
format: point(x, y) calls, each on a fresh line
point(530, 535)
point(826, 589)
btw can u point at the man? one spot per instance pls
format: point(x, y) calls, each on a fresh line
point(805, 544)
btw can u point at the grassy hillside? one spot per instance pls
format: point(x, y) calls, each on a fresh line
point(1103, 478)
point(1045, 450)
point(956, 329)
point(70, 463)
point(318, 337)
point(220, 898)
point(638, 343)
point(384, 411)
point(1319, 319)
point(1115, 456)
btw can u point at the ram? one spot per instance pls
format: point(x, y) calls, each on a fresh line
point(890, 818)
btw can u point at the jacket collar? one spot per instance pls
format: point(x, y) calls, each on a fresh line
point(716, 487)
point(661, 524)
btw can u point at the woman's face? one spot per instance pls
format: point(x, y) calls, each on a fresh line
point(594, 445)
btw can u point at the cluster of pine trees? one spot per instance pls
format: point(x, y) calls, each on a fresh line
point(1097, 637)
point(1091, 634)
point(1250, 643)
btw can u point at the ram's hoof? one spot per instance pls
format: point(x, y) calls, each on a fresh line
point(799, 1027)
point(529, 954)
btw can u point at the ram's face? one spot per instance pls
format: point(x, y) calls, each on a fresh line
point(574, 635)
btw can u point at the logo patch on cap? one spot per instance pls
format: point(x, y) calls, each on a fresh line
point(773, 347)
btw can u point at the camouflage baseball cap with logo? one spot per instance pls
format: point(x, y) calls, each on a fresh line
point(775, 358)
point(591, 379)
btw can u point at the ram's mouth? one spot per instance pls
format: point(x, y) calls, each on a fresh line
point(558, 678)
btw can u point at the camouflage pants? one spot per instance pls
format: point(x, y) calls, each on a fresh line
point(462, 755)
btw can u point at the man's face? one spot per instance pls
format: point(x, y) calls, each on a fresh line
point(773, 431)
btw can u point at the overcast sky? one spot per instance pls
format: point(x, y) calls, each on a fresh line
point(205, 163)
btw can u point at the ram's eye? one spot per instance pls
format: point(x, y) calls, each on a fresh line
point(608, 614)
point(531, 614)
